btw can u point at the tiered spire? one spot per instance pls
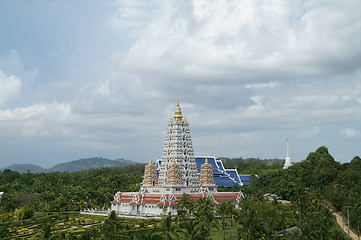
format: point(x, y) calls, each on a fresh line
point(178, 113)
point(206, 176)
point(150, 175)
point(178, 145)
point(174, 175)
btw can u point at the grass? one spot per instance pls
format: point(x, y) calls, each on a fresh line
point(217, 234)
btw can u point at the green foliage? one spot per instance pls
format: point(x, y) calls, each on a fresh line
point(64, 191)
point(25, 212)
point(253, 165)
point(311, 185)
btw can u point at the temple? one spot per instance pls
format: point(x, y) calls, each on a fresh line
point(177, 173)
point(288, 162)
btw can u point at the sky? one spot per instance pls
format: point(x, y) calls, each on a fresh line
point(89, 78)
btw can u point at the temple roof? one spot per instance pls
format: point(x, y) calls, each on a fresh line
point(222, 177)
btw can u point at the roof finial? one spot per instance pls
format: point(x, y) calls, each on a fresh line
point(150, 161)
point(206, 161)
point(178, 113)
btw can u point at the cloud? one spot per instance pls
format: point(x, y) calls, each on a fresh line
point(10, 87)
point(263, 85)
point(241, 69)
point(39, 120)
point(12, 64)
point(349, 133)
point(309, 134)
point(246, 40)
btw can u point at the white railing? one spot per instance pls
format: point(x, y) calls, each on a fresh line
point(92, 211)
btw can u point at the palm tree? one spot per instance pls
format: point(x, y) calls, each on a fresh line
point(169, 231)
point(231, 213)
point(185, 208)
point(205, 216)
point(300, 200)
point(222, 210)
point(186, 204)
point(249, 224)
point(190, 230)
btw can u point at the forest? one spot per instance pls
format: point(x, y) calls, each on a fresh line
point(315, 187)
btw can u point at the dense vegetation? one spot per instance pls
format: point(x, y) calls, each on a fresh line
point(32, 202)
point(252, 165)
point(318, 178)
point(62, 191)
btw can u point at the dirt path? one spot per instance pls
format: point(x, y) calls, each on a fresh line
point(344, 227)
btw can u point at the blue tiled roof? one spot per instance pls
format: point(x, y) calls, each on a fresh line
point(222, 177)
point(211, 160)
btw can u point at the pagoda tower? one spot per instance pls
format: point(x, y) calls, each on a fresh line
point(150, 175)
point(206, 176)
point(288, 162)
point(178, 148)
point(174, 175)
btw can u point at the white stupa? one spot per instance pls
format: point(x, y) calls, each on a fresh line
point(288, 162)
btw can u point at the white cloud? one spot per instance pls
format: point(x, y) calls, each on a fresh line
point(10, 87)
point(239, 67)
point(263, 85)
point(42, 119)
point(12, 64)
point(238, 39)
point(309, 134)
point(349, 133)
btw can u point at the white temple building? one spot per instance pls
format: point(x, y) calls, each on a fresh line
point(288, 162)
point(176, 175)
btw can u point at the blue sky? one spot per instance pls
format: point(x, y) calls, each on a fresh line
point(101, 78)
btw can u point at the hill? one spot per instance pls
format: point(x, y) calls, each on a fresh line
point(89, 163)
point(21, 168)
point(73, 166)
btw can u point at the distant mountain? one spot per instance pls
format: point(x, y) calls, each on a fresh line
point(88, 163)
point(73, 166)
point(21, 168)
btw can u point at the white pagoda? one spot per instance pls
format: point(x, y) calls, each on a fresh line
point(177, 175)
point(288, 162)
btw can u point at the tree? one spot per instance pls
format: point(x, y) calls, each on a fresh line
point(110, 226)
point(222, 210)
point(46, 230)
point(185, 208)
point(205, 216)
point(300, 200)
point(232, 211)
point(250, 227)
point(191, 230)
point(168, 229)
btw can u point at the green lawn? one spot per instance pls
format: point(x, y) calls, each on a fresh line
point(217, 234)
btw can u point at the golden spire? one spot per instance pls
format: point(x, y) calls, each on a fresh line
point(174, 160)
point(206, 162)
point(185, 119)
point(150, 161)
point(178, 114)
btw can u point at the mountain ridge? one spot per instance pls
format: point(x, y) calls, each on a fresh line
point(72, 166)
